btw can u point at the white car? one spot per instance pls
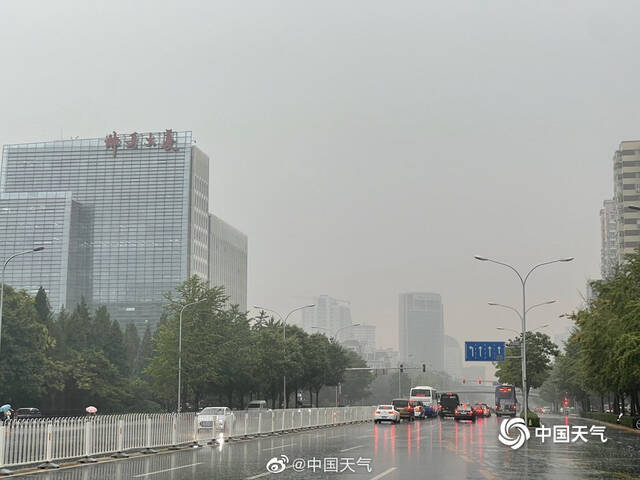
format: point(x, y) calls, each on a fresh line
point(386, 413)
point(218, 416)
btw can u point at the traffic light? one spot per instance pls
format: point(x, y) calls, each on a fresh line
point(424, 367)
point(479, 380)
point(464, 380)
point(401, 368)
point(566, 402)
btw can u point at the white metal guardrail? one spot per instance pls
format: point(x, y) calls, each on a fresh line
point(47, 441)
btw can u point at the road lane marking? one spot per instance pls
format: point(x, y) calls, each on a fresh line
point(281, 446)
point(166, 470)
point(385, 473)
point(265, 474)
point(351, 448)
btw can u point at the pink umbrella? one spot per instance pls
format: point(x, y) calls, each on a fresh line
point(91, 409)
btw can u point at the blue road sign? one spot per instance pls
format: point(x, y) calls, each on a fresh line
point(484, 351)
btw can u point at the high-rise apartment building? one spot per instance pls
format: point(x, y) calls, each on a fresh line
point(123, 219)
point(608, 238)
point(626, 169)
point(421, 329)
point(329, 316)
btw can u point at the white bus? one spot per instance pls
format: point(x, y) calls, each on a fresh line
point(429, 398)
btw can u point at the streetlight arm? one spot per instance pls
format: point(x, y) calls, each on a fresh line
point(508, 266)
point(540, 304)
point(545, 263)
point(295, 310)
point(507, 306)
point(18, 254)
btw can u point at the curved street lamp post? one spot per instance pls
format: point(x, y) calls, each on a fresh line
point(284, 337)
point(335, 338)
point(180, 350)
point(523, 281)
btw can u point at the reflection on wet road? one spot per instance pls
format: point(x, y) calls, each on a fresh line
point(428, 449)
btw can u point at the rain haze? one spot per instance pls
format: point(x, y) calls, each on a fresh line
point(366, 148)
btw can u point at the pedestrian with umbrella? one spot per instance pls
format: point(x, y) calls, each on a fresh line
point(6, 410)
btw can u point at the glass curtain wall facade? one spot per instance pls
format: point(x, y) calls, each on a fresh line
point(228, 260)
point(54, 221)
point(421, 329)
point(132, 199)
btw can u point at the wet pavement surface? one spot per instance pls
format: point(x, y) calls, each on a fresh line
point(425, 449)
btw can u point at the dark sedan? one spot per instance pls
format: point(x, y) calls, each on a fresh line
point(464, 412)
point(27, 413)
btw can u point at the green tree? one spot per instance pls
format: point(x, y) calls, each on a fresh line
point(24, 344)
point(131, 347)
point(540, 352)
point(43, 308)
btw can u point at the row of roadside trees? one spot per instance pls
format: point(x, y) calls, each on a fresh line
point(600, 367)
point(62, 363)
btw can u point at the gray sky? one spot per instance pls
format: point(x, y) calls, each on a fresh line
point(365, 147)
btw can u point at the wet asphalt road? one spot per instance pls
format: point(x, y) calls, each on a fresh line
point(427, 449)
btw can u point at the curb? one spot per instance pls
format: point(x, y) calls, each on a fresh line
point(615, 426)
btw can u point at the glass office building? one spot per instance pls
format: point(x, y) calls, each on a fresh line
point(135, 221)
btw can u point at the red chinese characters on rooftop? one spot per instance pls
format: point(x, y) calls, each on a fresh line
point(136, 140)
point(112, 141)
point(133, 141)
point(169, 141)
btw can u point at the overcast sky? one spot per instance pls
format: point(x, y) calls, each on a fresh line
point(366, 148)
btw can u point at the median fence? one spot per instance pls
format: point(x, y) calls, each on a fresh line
point(45, 442)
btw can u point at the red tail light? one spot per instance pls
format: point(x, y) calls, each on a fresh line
point(377, 412)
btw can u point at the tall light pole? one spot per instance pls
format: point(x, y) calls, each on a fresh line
point(284, 338)
point(523, 282)
point(33, 250)
point(180, 350)
point(335, 338)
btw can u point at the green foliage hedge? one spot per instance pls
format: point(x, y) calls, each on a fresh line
point(532, 417)
point(626, 420)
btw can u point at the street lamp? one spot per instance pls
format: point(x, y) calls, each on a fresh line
point(523, 317)
point(284, 338)
point(180, 349)
point(335, 339)
point(33, 250)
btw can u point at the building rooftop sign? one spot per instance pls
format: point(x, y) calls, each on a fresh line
point(113, 141)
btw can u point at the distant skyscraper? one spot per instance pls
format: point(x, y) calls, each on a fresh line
point(365, 335)
point(608, 238)
point(452, 357)
point(328, 316)
point(123, 219)
point(421, 329)
point(626, 170)
point(228, 260)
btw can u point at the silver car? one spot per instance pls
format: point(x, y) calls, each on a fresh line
point(219, 417)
